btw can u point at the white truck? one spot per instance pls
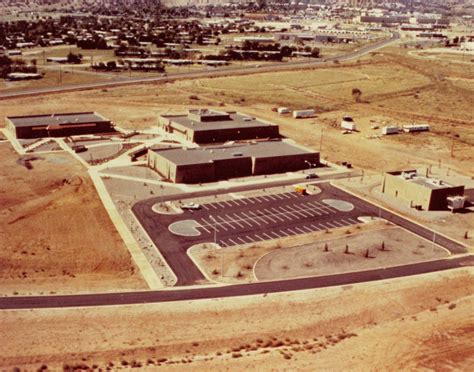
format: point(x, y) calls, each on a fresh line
point(391, 129)
point(298, 114)
point(347, 123)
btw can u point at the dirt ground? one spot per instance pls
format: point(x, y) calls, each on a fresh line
point(56, 235)
point(396, 89)
point(415, 323)
point(305, 255)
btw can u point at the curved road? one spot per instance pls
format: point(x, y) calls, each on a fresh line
point(201, 74)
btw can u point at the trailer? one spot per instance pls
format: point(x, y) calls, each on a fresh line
point(390, 130)
point(416, 128)
point(283, 110)
point(347, 123)
point(298, 114)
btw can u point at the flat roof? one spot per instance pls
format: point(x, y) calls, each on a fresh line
point(419, 179)
point(57, 119)
point(236, 121)
point(183, 156)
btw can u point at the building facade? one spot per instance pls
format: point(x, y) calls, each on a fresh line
point(418, 190)
point(58, 125)
point(210, 164)
point(210, 126)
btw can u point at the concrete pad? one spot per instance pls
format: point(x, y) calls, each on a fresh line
point(340, 205)
point(185, 228)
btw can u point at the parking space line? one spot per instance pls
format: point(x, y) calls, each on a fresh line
point(242, 240)
point(324, 226)
point(285, 213)
point(284, 233)
point(234, 221)
point(338, 224)
point(312, 208)
point(259, 237)
point(282, 215)
point(233, 242)
point(286, 195)
point(204, 206)
point(222, 223)
point(244, 220)
point(202, 227)
point(259, 217)
point(269, 217)
point(309, 212)
point(268, 236)
point(300, 230)
point(330, 224)
point(318, 208)
point(222, 243)
point(315, 227)
point(292, 232)
point(274, 215)
point(278, 196)
point(242, 201)
point(212, 205)
point(250, 217)
point(307, 228)
point(294, 211)
point(228, 203)
point(353, 221)
point(211, 224)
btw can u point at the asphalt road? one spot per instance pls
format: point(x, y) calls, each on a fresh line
point(123, 81)
point(254, 219)
point(109, 299)
point(240, 221)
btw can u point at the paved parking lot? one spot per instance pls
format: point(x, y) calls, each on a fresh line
point(266, 217)
point(259, 217)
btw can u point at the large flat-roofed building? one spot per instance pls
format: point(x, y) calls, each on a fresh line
point(58, 125)
point(210, 126)
point(200, 165)
point(418, 190)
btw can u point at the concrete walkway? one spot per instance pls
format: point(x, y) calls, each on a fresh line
point(147, 271)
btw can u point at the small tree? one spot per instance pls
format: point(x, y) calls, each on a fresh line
point(356, 94)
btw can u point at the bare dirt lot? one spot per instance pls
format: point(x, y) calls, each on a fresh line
point(416, 323)
point(56, 236)
point(306, 255)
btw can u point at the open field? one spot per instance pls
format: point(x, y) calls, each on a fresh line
point(396, 89)
point(344, 328)
point(56, 235)
point(305, 255)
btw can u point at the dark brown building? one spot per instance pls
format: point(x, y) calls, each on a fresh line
point(209, 164)
point(59, 125)
point(210, 126)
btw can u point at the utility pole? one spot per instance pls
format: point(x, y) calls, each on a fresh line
point(321, 140)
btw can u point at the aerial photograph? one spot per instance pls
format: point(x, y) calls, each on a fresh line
point(237, 185)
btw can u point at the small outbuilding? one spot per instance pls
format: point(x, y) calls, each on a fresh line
point(420, 191)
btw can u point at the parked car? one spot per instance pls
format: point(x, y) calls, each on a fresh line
point(191, 206)
point(310, 176)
